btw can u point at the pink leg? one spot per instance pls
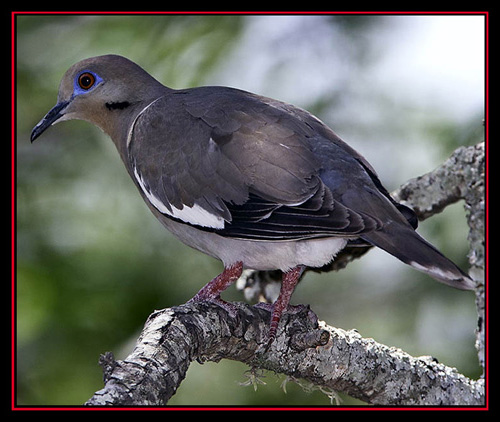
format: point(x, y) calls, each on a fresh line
point(211, 292)
point(290, 280)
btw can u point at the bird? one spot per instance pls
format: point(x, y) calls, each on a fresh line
point(249, 180)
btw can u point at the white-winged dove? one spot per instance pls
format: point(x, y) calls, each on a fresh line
point(249, 180)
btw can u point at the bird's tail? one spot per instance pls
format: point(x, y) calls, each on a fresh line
point(407, 245)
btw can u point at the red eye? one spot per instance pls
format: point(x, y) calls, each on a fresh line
point(86, 80)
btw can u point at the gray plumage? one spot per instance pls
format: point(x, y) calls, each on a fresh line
point(244, 178)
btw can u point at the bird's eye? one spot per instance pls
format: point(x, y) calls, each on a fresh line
point(86, 80)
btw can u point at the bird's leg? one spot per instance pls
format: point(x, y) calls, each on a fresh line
point(288, 283)
point(211, 292)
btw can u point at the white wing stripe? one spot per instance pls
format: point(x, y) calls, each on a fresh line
point(194, 215)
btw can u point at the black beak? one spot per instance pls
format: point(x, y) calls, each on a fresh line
point(51, 117)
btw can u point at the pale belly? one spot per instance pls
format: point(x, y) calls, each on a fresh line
point(259, 255)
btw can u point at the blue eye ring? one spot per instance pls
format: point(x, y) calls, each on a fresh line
point(85, 81)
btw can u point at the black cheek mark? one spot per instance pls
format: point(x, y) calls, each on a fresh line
point(117, 106)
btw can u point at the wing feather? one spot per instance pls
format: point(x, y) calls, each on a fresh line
point(261, 167)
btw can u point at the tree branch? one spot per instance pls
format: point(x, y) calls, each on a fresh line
point(462, 176)
point(329, 357)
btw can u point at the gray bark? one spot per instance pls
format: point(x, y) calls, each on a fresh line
point(328, 357)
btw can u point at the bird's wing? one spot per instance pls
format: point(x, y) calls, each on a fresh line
point(249, 167)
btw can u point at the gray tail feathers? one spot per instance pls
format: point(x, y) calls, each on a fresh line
point(407, 245)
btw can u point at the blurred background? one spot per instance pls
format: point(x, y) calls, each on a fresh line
point(93, 263)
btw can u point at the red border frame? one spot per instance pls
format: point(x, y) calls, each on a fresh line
point(14, 405)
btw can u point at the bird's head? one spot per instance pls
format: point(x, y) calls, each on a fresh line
point(100, 90)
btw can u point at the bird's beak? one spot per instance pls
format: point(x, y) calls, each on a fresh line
point(50, 118)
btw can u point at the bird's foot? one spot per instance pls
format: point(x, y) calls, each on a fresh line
point(211, 291)
point(282, 304)
point(290, 309)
